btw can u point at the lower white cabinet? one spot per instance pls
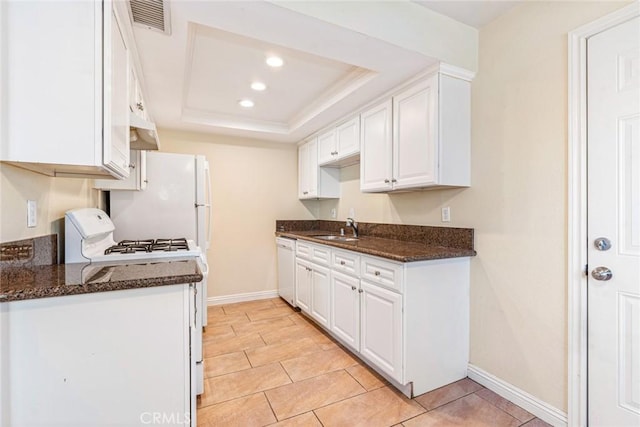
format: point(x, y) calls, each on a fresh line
point(381, 328)
point(345, 309)
point(409, 321)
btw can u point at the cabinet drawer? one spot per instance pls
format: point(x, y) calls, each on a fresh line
point(317, 253)
point(381, 272)
point(345, 262)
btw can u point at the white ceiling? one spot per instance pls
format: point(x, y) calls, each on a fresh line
point(474, 13)
point(195, 77)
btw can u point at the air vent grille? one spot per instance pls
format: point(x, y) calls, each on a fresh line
point(151, 14)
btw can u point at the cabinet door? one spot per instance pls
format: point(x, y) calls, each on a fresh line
point(137, 179)
point(116, 107)
point(303, 171)
point(348, 138)
point(375, 148)
point(303, 285)
point(312, 168)
point(321, 295)
point(345, 309)
point(327, 147)
point(415, 136)
point(381, 328)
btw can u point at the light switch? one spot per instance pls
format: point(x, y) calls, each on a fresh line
point(333, 213)
point(446, 214)
point(32, 217)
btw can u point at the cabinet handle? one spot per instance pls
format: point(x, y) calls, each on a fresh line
point(139, 106)
point(132, 165)
point(305, 192)
point(360, 291)
point(341, 262)
point(308, 269)
point(386, 181)
point(394, 180)
point(353, 288)
point(377, 273)
point(146, 181)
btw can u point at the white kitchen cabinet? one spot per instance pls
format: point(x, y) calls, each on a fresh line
point(340, 146)
point(66, 101)
point(408, 321)
point(315, 182)
point(136, 99)
point(376, 148)
point(345, 309)
point(303, 285)
point(137, 179)
point(99, 359)
point(430, 143)
point(321, 295)
point(381, 333)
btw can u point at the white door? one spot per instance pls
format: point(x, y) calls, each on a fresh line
point(614, 214)
point(345, 309)
point(303, 171)
point(348, 138)
point(303, 285)
point(321, 295)
point(326, 147)
point(415, 135)
point(381, 328)
point(375, 148)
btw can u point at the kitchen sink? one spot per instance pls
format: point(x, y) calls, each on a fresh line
point(337, 238)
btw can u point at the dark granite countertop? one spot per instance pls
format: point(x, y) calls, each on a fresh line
point(429, 242)
point(42, 281)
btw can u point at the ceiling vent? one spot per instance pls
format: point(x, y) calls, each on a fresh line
point(151, 14)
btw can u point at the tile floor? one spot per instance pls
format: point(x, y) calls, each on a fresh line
point(268, 365)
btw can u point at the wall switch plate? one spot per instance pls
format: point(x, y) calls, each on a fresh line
point(446, 214)
point(352, 213)
point(32, 218)
point(333, 213)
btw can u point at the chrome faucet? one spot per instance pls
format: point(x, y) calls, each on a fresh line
point(351, 223)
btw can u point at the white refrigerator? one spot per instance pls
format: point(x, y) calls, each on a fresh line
point(175, 204)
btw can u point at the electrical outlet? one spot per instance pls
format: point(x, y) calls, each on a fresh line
point(32, 209)
point(446, 214)
point(333, 213)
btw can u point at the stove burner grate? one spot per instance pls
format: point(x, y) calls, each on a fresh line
point(148, 245)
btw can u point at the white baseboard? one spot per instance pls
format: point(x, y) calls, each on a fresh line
point(535, 406)
point(251, 296)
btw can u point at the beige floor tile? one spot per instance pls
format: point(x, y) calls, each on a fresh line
point(269, 313)
point(502, 403)
point(305, 420)
point(280, 302)
point(304, 396)
point(233, 344)
point(273, 324)
point(367, 378)
point(314, 364)
point(279, 352)
point(219, 319)
point(299, 319)
point(225, 364)
point(290, 333)
point(448, 393)
point(246, 411)
point(243, 383)
point(244, 307)
point(536, 422)
point(468, 411)
point(214, 309)
point(218, 332)
point(382, 407)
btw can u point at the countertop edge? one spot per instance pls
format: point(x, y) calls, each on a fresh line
point(447, 252)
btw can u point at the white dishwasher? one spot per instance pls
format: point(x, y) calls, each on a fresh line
point(286, 269)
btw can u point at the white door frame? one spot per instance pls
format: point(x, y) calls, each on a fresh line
point(577, 209)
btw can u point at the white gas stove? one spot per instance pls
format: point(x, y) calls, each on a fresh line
point(89, 237)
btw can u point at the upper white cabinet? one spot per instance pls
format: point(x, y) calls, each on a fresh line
point(424, 143)
point(340, 146)
point(137, 179)
point(65, 88)
point(315, 182)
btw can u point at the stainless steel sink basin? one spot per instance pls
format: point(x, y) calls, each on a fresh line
point(337, 238)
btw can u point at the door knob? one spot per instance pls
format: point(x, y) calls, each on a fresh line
point(602, 273)
point(602, 244)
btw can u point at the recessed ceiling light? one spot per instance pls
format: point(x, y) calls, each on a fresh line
point(274, 61)
point(246, 103)
point(259, 86)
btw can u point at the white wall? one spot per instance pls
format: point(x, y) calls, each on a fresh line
point(517, 199)
point(253, 184)
point(54, 197)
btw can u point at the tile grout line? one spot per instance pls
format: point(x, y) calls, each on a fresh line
point(500, 409)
